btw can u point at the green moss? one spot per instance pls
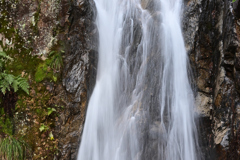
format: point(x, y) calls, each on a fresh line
point(40, 112)
point(20, 52)
point(44, 72)
point(5, 124)
point(41, 72)
point(20, 102)
point(35, 105)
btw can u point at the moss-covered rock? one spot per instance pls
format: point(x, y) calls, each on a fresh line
point(28, 31)
point(44, 72)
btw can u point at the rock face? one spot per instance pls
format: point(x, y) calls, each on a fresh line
point(35, 21)
point(212, 36)
point(211, 30)
point(42, 24)
point(78, 76)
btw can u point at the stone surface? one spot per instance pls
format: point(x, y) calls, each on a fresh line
point(212, 33)
point(78, 75)
point(41, 24)
point(212, 37)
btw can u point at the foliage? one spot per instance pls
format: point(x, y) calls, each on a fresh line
point(5, 124)
point(3, 58)
point(12, 149)
point(50, 110)
point(21, 83)
point(43, 72)
point(50, 68)
point(56, 56)
point(31, 109)
point(43, 128)
point(8, 81)
point(234, 1)
point(56, 60)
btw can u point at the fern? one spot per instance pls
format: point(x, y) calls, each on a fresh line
point(3, 58)
point(8, 81)
point(8, 78)
point(5, 82)
point(22, 84)
point(13, 149)
point(1, 63)
point(4, 85)
point(56, 60)
point(15, 85)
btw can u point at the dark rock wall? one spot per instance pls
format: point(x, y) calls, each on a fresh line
point(211, 31)
point(79, 75)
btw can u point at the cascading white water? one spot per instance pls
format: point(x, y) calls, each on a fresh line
point(179, 102)
point(102, 138)
point(142, 104)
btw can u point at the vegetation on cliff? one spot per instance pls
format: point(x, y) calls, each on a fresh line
point(28, 77)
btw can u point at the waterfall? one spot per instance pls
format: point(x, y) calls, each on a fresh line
point(142, 106)
point(179, 101)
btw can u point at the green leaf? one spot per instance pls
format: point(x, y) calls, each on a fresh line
point(41, 128)
point(13, 149)
point(23, 84)
point(8, 81)
point(3, 55)
point(50, 110)
point(4, 85)
point(15, 85)
point(51, 53)
point(54, 78)
point(9, 78)
point(234, 1)
point(1, 63)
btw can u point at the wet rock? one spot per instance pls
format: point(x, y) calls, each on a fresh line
point(79, 75)
point(212, 41)
point(150, 5)
point(203, 103)
point(236, 7)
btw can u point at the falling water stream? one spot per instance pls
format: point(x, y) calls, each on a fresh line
point(142, 106)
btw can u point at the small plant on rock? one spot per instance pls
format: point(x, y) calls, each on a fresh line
point(12, 149)
point(9, 81)
point(56, 60)
point(51, 67)
point(9, 85)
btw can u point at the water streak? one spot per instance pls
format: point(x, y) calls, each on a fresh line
point(178, 103)
point(142, 104)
